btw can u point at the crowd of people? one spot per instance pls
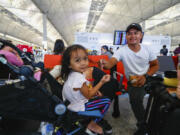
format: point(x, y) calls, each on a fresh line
point(139, 62)
point(164, 51)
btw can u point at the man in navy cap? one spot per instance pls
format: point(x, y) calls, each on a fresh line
point(139, 62)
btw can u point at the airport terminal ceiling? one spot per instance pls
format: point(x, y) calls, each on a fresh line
point(23, 19)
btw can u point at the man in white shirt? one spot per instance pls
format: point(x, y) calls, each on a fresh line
point(139, 62)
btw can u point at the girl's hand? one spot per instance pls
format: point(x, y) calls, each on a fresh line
point(99, 94)
point(105, 78)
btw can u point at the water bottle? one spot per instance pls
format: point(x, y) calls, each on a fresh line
point(43, 128)
point(49, 129)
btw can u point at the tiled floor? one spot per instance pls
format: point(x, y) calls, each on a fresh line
point(126, 123)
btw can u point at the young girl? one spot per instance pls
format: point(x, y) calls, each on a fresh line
point(76, 88)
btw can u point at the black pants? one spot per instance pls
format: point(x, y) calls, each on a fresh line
point(136, 95)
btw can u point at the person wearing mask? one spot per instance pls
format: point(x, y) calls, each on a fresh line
point(164, 51)
point(105, 51)
point(139, 62)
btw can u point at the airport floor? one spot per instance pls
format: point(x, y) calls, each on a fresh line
point(126, 123)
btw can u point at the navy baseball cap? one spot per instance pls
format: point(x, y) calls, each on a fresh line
point(134, 26)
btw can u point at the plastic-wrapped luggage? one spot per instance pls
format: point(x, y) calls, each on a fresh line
point(162, 111)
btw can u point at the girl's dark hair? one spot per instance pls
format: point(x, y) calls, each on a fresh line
point(65, 70)
point(58, 46)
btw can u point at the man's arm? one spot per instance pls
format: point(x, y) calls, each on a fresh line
point(153, 67)
point(109, 64)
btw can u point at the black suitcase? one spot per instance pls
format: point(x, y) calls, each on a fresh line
point(162, 115)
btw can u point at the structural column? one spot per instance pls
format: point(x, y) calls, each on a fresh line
point(44, 31)
point(143, 26)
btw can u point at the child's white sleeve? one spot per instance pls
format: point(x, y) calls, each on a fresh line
point(78, 80)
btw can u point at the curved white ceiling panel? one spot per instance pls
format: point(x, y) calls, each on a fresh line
point(31, 16)
point(65, 17)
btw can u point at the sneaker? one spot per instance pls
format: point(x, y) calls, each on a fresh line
point(107, 128)
point(89, 132)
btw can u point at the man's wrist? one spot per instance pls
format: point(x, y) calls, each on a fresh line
point(146, 75)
